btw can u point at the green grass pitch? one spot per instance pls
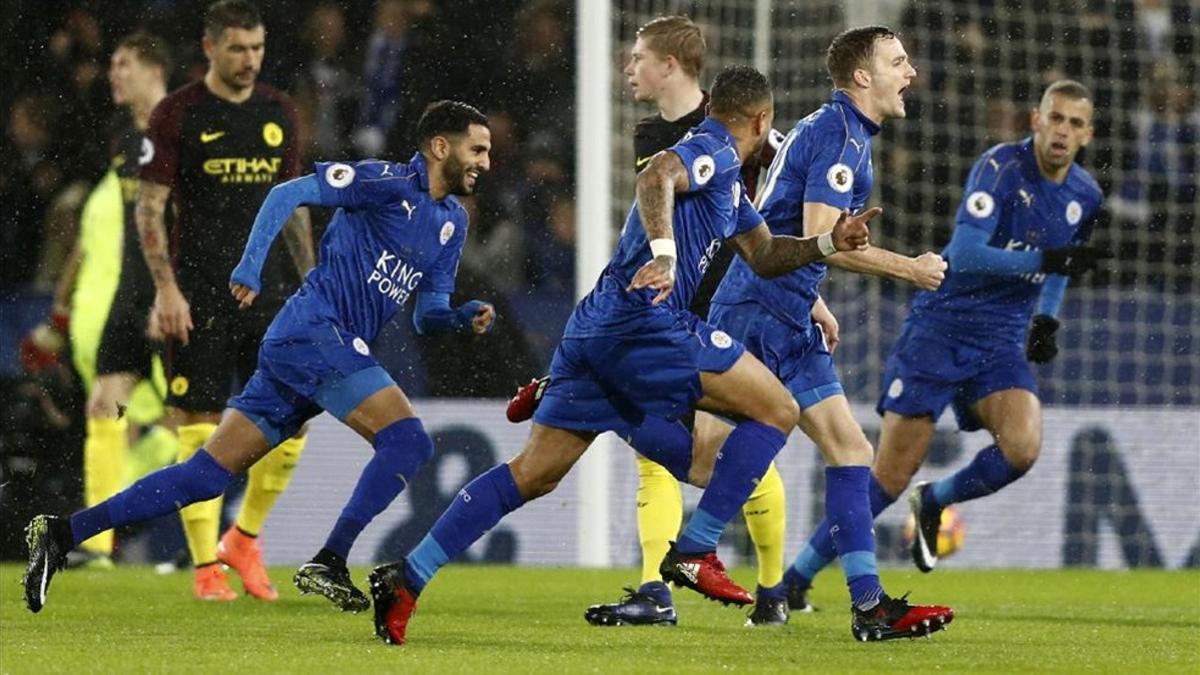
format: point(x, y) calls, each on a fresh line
point(502, 619)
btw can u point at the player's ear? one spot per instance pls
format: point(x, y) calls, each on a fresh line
point(439, 147)
point(206, 44)
point(862, 77)
point(1035, 119)
point(672, 63)
point(760, 122)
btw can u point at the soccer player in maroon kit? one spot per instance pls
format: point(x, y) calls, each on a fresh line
point(216, 147)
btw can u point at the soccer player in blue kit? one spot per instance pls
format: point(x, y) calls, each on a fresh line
point(823, 168)
point(631, 349)
point(1021, 231)
point(398, 232)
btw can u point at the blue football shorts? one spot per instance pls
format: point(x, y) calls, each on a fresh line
point(799, 358)
point(928, 370)
point(305, 369)
point(612, 383)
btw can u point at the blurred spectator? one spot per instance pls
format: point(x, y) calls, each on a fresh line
point(325, 90)
point(388, 47)
point(1168, 131)
point(28, 184)
point(1154, 19)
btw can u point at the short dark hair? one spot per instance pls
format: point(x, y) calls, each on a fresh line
point(676, 36)
point(1072, 89)
point(447, 117)
point(737, 90)
point(150, 49)
point(230, 14)
point(853, 49)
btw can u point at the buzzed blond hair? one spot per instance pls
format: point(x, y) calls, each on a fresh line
point(676, 36)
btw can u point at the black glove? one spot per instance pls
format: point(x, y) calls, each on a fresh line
point(1072, 261)
point(1042, 344)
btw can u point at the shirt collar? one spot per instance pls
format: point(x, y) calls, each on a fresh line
point(842, 97)
point(417, 163)
point(711, 126)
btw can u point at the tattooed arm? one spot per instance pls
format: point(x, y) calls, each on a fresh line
point(171, 313)
point(775, 255)
point(656, 188)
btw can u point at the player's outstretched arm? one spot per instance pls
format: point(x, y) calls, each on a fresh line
point(775, 255)
point(656, 188)
point(276, 210)
point(433, 315)
point(969, 251)
point(925, 271)
point(297, 234)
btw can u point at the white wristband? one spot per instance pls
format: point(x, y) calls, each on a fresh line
point(662, 246)
point(825, 244)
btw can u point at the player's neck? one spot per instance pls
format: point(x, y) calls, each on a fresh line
point(141, 109)
point(438, 187)
point(673, 105)
point(221, 90)
point(863, 103)
point(1050, 173)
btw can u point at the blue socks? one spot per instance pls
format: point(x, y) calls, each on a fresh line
point(847, 506)
point(988, 472)
point(475, 510)
point(401, 449)
point(820, 551)
point(157, 494)
point(740, 465)
point(667, 443)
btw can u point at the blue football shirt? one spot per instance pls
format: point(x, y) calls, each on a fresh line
point(714, 208)
point(387, 240)
point(1007, 197)
point(826, 159)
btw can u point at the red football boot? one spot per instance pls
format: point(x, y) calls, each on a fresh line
point(704, 573)
point(521, 406)
point(895, 618)
point(395, 603)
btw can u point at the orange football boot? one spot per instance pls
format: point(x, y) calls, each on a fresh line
point(210, 584)
point(241, 552)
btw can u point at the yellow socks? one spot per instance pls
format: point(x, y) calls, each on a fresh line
point(659, 515)
point(104, 452)
point(766, 519)
point(267, 479)
point(202, 520)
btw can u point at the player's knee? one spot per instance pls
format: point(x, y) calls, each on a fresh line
point(783, 414)
point(854, 451)
point(404, 447)
point(100, 405)
point(203, 478)
point(895, 470)
point(534, 479)
point(1021, 447)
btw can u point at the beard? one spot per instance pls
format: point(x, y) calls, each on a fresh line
point(455, 175)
